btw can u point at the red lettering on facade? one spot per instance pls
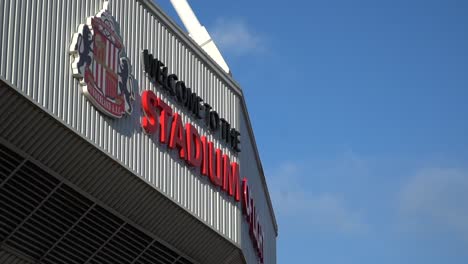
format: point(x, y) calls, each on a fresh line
point(231, 182)
point(177, 138)
point(164, 116)
point(250, 214)
point(194, 146)
point(215, 171)
point(245, 197)
point(204, 166)
point(199, 152)
point(148, 121)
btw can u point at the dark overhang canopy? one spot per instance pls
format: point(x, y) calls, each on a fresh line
point(64, 201)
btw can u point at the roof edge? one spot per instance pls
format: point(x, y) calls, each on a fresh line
point(231, 84)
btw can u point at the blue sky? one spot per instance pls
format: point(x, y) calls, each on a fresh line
point(377, 91)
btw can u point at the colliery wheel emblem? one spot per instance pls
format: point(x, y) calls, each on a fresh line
point(100, 63)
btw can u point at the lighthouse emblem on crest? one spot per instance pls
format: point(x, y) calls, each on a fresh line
point(100, 63)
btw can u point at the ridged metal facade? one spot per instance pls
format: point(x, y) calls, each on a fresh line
point(34, 58)
point(62, 152)
point(252, 170)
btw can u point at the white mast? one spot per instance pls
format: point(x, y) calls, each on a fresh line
point(198, 32)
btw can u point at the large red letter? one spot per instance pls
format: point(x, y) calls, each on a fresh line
point(215, 174)
point(204, 168)
point(194, 147)
point(231, 183)
point(245, 198)
point(164, 116)
point(177, 138)
point(226, 172)
point(148, 121)
point(261, 236)
point(253, 222)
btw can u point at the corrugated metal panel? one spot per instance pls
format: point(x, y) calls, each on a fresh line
point(253, 173)
point(34, 46)
point(31, 131)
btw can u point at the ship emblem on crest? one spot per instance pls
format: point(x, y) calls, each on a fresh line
point(100, 63)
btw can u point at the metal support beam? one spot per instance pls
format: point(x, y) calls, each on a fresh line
point(13, 172)
point(143, 252)
point(177, 259)
point(66, 233)
point(33, 212)
point(105, 243)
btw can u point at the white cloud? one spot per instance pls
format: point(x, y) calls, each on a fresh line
point(319, 211)
point(436, 200)
point(430, 203)
point(236, 37)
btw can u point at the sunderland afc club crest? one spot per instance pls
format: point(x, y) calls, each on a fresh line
point(100, 63)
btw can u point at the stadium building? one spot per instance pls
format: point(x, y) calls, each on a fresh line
point(123, 140)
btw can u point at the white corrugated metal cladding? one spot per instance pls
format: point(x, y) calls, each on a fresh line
point(34, 58)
